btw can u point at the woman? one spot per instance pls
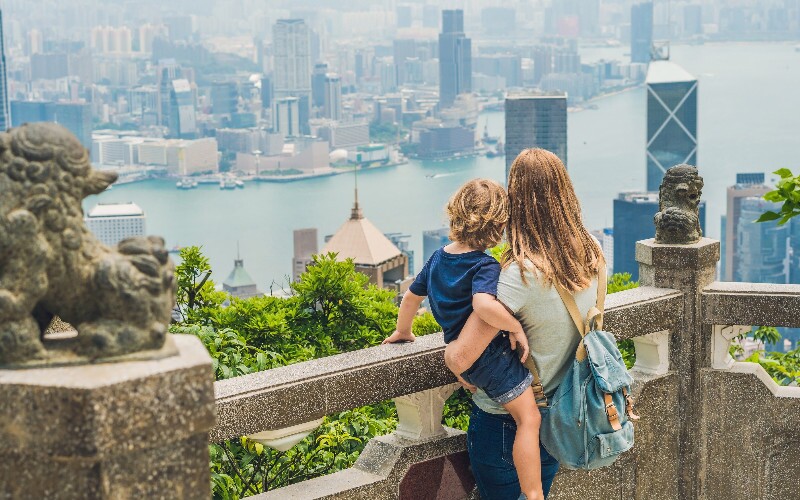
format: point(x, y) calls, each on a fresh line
point(547, 244)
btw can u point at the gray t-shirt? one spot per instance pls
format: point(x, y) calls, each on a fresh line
point(552, 335)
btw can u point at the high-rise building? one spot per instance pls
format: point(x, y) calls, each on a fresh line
point(633, 221)
point(333, 97)
point(455, 58)
point(224, 98)
point(536, 121)
point(291, 40)
point(286, 116)
point(692, 19)
point(77, 118)
point(113, 222)
point(671, 119)
point(641, 32)
point(5, 109)
point(305, 247)
point(182, 110)
point(763, 250)
point(404, 16)
point(318, 85)
point(748, 185)
point(74, 116)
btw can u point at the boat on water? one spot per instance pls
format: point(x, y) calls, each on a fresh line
point(239, 184)
point(227, 184)
point(488, 139)
point(186, 184)
point(499, 150)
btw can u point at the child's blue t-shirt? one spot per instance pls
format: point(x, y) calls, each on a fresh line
point(450, 280)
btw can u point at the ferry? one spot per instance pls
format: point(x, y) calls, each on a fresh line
point(186, 184)
point(487, 139)
point(227, 184)
point(239, 184)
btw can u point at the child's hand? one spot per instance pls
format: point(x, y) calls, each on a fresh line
point(399, 337)
point(519, 341)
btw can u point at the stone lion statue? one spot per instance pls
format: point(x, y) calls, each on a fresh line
point(678, 220)
point(119, 300)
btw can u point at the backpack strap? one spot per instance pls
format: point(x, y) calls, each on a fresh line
point(594, 318)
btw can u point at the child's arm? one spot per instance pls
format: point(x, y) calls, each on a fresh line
point(408, 309)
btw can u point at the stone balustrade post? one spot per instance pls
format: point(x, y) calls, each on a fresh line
point(124, 430)
point(688, 268)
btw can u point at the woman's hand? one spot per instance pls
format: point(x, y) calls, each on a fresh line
point(399, 337)
point(519, 341)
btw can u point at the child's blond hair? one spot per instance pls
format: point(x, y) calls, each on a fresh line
point(478, 213)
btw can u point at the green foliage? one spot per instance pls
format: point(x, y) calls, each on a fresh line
point(787, 192)
point(425, 324)
point(621, 281)
point(197, 296)
point(334, 309)
point(617, 283)
point(784, 368)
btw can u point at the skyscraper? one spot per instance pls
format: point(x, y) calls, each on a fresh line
point(333, 97)
point(74, 116)
point(291, 39)
point(455, 58)
point(748, 185)
point(671, 119)
point(536, 121)
point(286, 117)
point(224, 98)
point(633, 221)
point(763, 252)
point(182, 112)
point(641, 32)
point(318, 85)
point(5, 110)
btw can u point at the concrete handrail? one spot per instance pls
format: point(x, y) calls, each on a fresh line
point(294, 394)
point(759, 304)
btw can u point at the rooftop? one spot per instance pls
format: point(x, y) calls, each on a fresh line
point(360, 240)
point(667, 72)
point(116, 210)
point(239, 276)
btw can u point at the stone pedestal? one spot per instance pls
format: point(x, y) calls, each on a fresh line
point(124, 430)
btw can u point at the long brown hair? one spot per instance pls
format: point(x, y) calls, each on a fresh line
point(545, 227)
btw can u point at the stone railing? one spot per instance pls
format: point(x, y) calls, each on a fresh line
point(711, 427)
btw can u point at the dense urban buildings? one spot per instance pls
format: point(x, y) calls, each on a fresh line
point(671, 119)
point(113, 222)
point(535, 121)
point(455, 58)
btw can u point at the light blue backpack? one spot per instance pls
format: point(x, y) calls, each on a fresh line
point(582, 426)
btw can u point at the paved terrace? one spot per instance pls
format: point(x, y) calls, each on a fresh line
point(711, 427)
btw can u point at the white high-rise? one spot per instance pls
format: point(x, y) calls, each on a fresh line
point(113, 222)
point(291, 41)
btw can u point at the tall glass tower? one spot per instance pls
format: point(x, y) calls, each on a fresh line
point(455, 58)
point(641, 32)
point(536, 120)
point(5, 110)
point(671, 119)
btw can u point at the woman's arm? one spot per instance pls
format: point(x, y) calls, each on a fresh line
point(462, 353)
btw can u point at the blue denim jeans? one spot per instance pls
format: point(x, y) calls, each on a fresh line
point(490, 442)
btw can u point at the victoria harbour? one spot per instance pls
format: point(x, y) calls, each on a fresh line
point(749, 121)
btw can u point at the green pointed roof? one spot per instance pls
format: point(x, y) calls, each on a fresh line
point(238, 277)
